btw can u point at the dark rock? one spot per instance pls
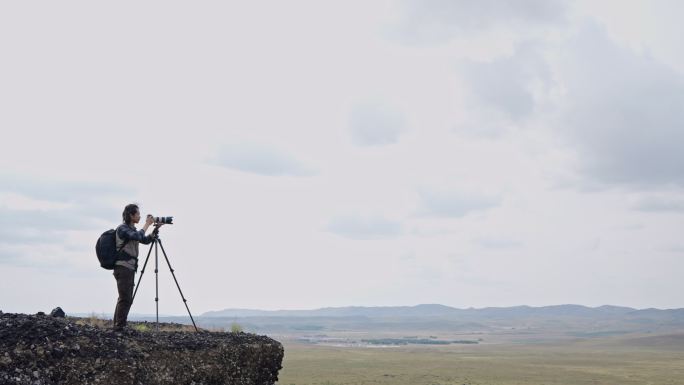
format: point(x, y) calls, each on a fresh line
point(57, 312)
point(39, 313)
point(68, 351)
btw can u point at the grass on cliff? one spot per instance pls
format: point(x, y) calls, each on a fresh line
point(94, 320)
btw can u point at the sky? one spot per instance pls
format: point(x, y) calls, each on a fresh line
point(345, 153)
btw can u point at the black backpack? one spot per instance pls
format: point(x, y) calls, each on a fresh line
point(106, 251)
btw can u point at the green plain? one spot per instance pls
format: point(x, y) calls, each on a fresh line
point(609, 361)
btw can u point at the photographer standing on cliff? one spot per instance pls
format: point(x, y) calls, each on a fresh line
point(127, 240)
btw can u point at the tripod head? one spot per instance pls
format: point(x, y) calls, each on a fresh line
point(155, 232)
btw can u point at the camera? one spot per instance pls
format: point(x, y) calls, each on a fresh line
point(163, 220)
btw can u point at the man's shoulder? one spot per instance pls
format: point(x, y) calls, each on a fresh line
point(123, 230)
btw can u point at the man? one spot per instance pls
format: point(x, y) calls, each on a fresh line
point(127, 240)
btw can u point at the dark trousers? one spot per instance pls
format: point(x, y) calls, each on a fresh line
point(125, 282)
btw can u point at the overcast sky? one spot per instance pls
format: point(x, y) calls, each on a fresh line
point(470, 153)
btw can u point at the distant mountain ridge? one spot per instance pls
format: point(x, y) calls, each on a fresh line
point(526, 322)
point(437, 310)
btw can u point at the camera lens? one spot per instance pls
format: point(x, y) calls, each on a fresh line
point(164, 220)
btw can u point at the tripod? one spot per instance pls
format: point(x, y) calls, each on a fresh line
point(156, 241)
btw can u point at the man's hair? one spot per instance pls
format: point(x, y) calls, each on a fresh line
point(128, 212)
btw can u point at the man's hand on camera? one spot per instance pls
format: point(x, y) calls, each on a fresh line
point(149, 220)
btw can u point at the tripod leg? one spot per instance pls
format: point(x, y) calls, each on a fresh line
point(156, 279)
point(185, 301)
point(143, 270)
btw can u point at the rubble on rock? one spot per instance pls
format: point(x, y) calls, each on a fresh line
point(46, 350)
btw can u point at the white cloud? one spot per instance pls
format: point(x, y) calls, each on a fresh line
point(503, 91)
point(452, 203)
point(497, 243)
point(375, 125)
point(260, 159)
point(441, 20)
point(365, 227)
point(621, 111)
point(38, 214)
point(59, 190)
point(666, 203)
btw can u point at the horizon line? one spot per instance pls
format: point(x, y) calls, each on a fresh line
point(376, 306)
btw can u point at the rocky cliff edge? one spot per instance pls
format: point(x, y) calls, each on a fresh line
point(47, 350)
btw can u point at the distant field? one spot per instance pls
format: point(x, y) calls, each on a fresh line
point(648, 360)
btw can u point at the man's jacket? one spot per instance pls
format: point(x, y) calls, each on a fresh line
point(129, 232)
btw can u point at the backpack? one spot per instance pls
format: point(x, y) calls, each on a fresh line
point(106, 251)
